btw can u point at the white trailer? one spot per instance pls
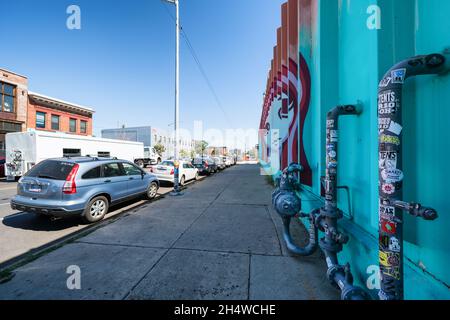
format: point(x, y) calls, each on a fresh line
point(25, 149)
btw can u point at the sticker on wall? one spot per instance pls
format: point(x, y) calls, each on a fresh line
point(388, 102)
point(392, 175)
point(332, 154)
point(393, 272)
point(388, 160)
point(385, 82)
point(334, 135)
point(384, 241)
point(383, 124)
point(390, 139)
point(398, 76)
point(387, 212)
point(388, 227)
point(330, 123)
point(332, 164)
point(389, 259)
point(388, 188)
point(395, 128)
point(394, 244)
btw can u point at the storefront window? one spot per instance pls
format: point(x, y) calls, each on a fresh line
point(40, 120)
point(7, 97)
point(73, 125)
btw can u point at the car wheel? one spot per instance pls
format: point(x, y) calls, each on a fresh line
point(182, 180)
point(152, 191)
point(140, 163)
point(96, 209)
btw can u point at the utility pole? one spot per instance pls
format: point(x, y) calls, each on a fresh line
point(176, 187)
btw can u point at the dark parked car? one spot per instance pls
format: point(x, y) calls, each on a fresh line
point(2, 167)
point(220, 163)
point(81, 186)
point(205, 166)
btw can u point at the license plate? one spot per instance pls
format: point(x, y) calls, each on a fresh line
point(161, 169)
point(35, 189)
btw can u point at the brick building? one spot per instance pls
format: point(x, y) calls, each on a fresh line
point(13, 104)
point(50, 114)
point(21, 109)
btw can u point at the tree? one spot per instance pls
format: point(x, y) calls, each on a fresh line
point(200, 147)
point(184, 154)
point(159, 148)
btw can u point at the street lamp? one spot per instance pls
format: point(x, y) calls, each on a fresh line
point(176, 187)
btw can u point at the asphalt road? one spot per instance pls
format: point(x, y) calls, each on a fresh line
point(25, 232)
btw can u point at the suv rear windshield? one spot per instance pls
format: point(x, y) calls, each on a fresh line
point(51, 169)
point(167, 163)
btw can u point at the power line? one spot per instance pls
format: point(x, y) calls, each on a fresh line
point(199, 64)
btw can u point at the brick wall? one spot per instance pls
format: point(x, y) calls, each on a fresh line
point(64, 117)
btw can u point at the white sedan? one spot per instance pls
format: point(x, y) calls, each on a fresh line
point(165, 171)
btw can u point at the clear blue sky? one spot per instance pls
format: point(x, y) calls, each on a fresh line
point(121, 62)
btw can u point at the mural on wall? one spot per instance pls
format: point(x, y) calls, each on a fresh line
point(287, 96)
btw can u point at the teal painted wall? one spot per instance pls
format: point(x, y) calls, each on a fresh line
point(346, 61)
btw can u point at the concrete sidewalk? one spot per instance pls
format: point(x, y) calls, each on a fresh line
point(221, 240)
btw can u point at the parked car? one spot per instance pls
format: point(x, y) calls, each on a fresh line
point(205, 166)
point(2, 167)
point(165, 171)
point(220, 163)
point(228, 161)
point(82, 186)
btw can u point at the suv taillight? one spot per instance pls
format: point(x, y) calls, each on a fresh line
point(206, 164)
point(70, 186)
point(172, 172)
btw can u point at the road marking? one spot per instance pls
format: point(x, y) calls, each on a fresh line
point(4, 204)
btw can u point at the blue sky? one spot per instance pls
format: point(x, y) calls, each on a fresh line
point(121, 62)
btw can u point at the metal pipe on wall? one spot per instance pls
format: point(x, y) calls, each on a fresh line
point(331, 244)
point(391, 206)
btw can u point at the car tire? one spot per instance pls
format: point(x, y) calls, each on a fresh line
point(152, 191)
point(182, 180)
point(96, 209)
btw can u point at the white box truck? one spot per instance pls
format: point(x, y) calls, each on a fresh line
point(25, 149)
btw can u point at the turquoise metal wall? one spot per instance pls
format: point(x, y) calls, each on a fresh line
point(346, 60)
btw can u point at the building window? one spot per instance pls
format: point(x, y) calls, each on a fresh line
point(83, 126)
point(7, 97)
point(73, 125)
point(40, 120)
point(55, 122)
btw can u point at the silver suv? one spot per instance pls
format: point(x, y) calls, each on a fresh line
point(81, 186)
